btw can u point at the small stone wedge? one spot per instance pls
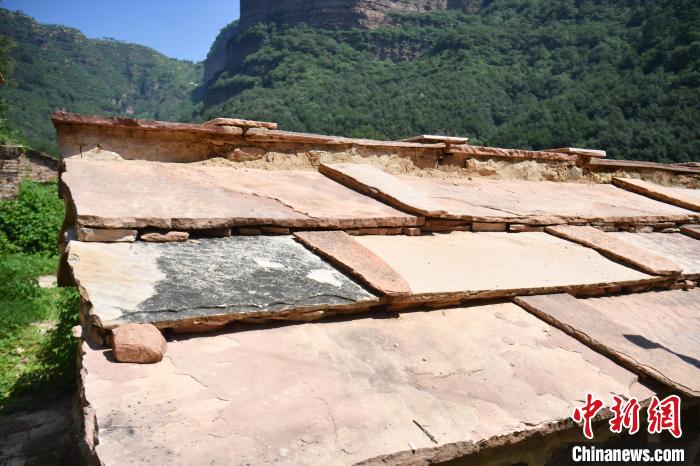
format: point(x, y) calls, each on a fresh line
point(138, 343)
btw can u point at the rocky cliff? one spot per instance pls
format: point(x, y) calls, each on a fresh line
point(341, 13)
point(324, 14)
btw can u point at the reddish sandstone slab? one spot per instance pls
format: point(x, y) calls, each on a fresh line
point(241, 123)
point(677, 247)
point(344, 392)
point(137, 194)
point(524, 202)
point(656, 334)
point(347, 254)
point(691, 230)
point(432, 139)
point(681, 197)
point(465, 265)
point(579, 151)
point(633, 165)
point(617, 248)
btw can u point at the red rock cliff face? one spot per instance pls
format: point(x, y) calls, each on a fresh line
point(327, 14)
point(341, 13)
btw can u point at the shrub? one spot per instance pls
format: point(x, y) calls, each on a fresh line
point(31, 222)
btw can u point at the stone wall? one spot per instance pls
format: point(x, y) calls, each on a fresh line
point(18, 164)
point(99, 138)
point(9, 171)
point(37, 166)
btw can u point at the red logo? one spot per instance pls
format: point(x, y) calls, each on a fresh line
point(665, 415)
point(587, 413)
point(626, 414)
point(661, 415)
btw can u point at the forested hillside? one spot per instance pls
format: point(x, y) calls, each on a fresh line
point(619, 75)
point(59, 68)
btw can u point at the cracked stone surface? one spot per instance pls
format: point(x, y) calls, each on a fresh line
point(677, 247)
point(177, 284)
point(139, 194)
point(686, 198)
point(465, 264)
point(656, 333)
point(529, 202)
point(345, 391)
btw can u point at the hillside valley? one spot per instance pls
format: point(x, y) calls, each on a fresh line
point(618, 75)
point(57, 67)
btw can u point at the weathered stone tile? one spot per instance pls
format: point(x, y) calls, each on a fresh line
point(343, 392)
point(494, 201)
point(347, 254)
point(691, 230)
point(613, 246)
point(463, 265)
point(677, 247)
point(214, 280)
point(657, 334)
point(686, 198)
point(137, 194)
point(102, 235)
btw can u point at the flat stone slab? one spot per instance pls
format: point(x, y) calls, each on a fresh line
point(677, 247)
point(682, 197)
point(174, 285)
point(691, 230)
point(344, 252)
point(138, 194)
point(344, 392)
point(524, 202)
point(462, 265)
point(657, 334)
point(617, 248)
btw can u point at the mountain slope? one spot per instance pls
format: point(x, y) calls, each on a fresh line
point(59, 68)
point(619, 75)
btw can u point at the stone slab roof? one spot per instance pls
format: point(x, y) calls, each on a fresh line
point(505, 200)
point(462, 265)
point(678, 248)
point(489, 290)
point(657, 333)
point(347, 391)
point(137, 194)
point(682, 197)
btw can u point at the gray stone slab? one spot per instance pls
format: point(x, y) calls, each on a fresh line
point(211, 280)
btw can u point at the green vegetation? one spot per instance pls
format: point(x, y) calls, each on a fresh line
point(30, 224)
point(7, 135)
point(37, 351)
point(619, 75)
point(59, 68)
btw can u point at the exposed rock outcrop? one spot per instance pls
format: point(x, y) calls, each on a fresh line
point(326, 14)
point(342, 13)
